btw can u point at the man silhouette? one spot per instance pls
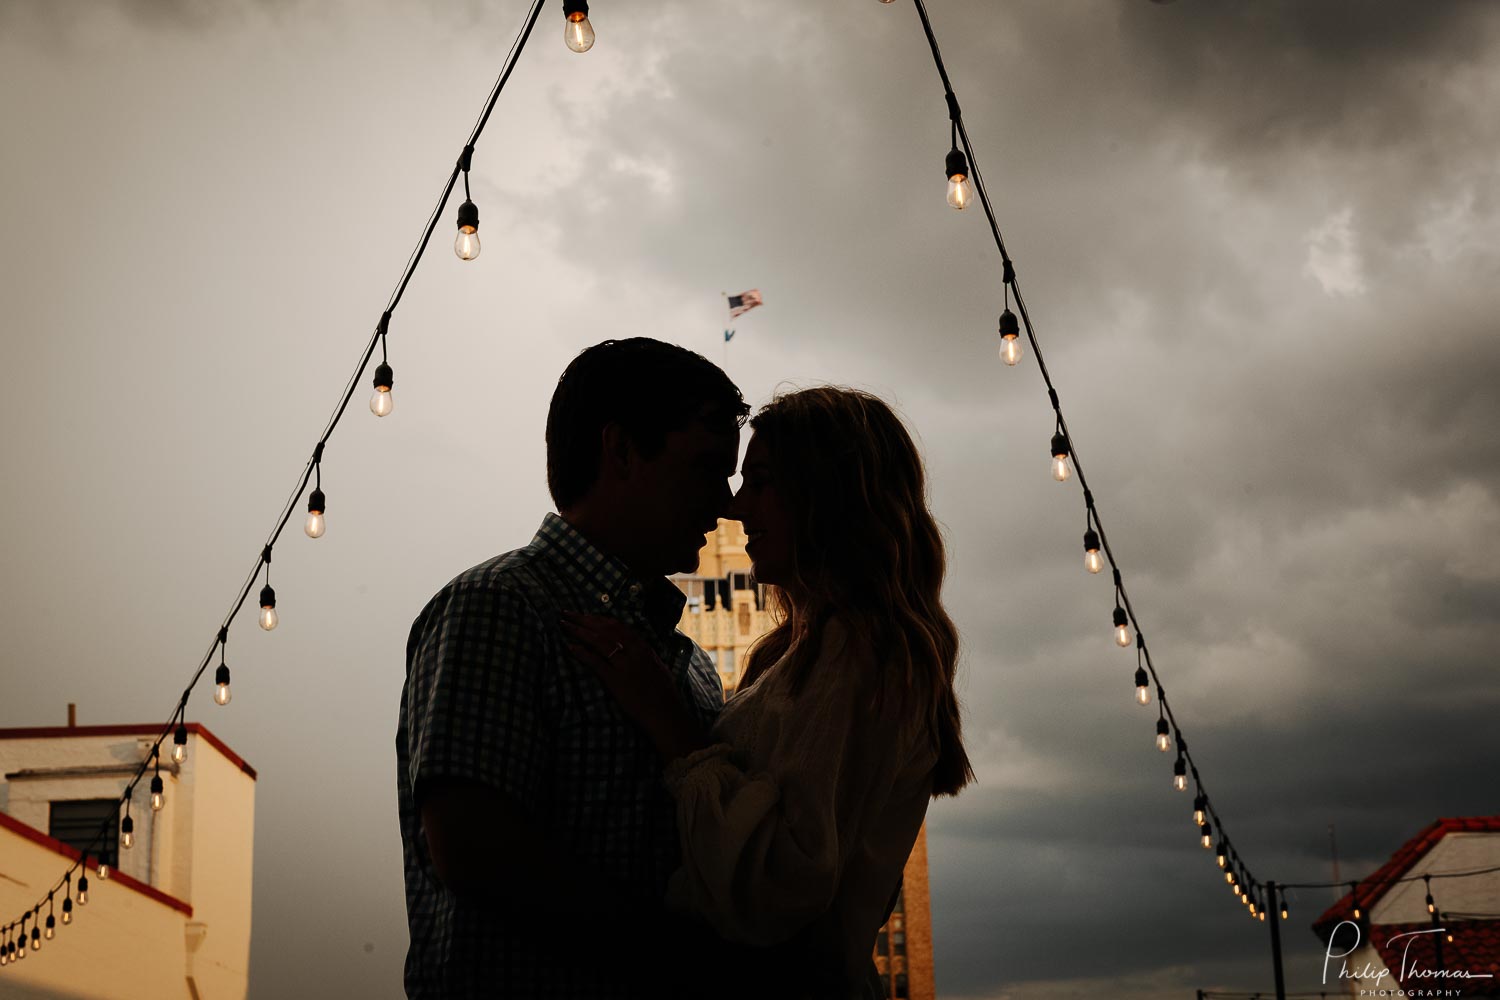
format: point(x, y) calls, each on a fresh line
point(537, 835)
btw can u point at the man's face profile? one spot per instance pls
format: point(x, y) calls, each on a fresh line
point(684, 490)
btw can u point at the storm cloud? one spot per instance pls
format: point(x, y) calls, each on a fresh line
point(1259, 245)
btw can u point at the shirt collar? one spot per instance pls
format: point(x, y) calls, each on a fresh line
point(606, 579)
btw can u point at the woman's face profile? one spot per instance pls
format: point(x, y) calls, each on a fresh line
point(760, 508)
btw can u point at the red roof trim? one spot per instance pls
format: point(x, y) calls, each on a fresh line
point(1371, 888)
point(52, 732)
point(72, 854)
point(1475, 949)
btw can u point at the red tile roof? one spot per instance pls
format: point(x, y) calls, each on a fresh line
point(1476, 943)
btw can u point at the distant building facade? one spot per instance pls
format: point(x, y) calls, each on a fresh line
point(725, 613)
point(173, 917)
point(1395, 930)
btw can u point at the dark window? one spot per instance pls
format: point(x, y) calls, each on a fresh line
point(882, 944)
point(76, 823)
point(900, 984)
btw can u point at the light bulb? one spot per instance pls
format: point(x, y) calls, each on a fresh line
point(179, 744)
point(578, 33)
point(1093, 561)
point(466, 243)
point(1206, 835)
point(158, 798)
point(1010, 338)
point(127, 833)
point(956, 169)
point(1222, 860)
point(1122, 627)
point(1163, 739)
point(83, 890)
point(1262, 916)
point(1179, 775)
point(1285, 913)
point(316, 504)
point(1060, 470)
point(1356, 912)
point(221, 685)
point(36, 938)
point(1142, 687)
point(1199, 804)
point(381, 403)
point(1430, 907)
point(103, 872)
point(268, 617)
point(51, 927)
point(960, 193)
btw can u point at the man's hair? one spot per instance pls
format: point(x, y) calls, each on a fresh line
point(647, 387)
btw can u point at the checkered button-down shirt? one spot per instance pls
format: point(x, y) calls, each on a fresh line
point(493, 695)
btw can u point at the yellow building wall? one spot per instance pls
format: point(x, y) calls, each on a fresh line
point(198, 850)
point(121, 945)
point(726, 634)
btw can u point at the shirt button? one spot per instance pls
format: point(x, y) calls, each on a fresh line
point(635, 588)
point(603, 598)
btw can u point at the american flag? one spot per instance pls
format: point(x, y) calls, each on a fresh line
point(744, 302)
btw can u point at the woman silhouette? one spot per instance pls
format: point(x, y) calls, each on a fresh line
point(798, 809)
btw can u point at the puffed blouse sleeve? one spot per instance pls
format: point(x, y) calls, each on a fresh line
point(766, 827)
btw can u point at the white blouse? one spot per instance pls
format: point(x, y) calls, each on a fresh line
point(798, 819)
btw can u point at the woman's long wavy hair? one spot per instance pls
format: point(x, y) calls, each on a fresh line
point(867, 550)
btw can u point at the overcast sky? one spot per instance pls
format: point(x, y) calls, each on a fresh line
point(1260, 245)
